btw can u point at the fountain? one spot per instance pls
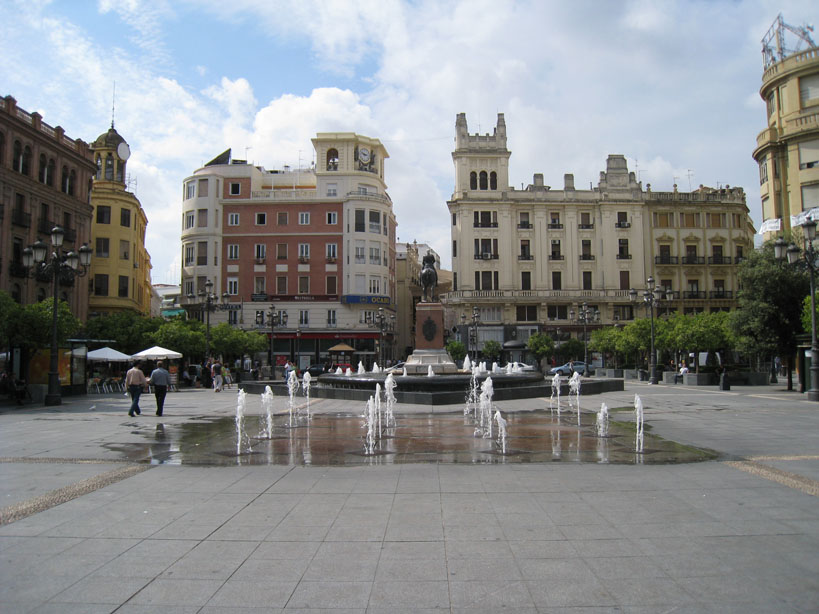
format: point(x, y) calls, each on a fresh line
point(485, 409)
point(339, 371)
point(292, 389)
point(501, 430)
point(305, 385)
point(430, 372)
point(603, 421)
point(473, 395)
point(556, 383)
point(574, 390)
point(348, 372)
point(369, 424)
point(267, 405)
point(361, 369)
point(467, 364)
point(241, 403)
point(638, 416)
point(389, 398)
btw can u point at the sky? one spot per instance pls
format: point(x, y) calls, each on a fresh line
point(672, 85)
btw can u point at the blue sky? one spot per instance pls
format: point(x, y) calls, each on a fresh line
point(672, 85)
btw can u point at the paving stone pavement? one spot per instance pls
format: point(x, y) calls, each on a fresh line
point(97, 533)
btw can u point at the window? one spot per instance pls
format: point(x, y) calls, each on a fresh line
point(493, 180)
point(360, 256)
point(485, 219)
point(664, 220)
point(665, 254)
point(331, 251)
point(201, 218)
point(261, 219)
point(304, 218)
point(304, 251)
point(331, 318)
point(189, 219)
point(202, 253)
point(482, 180)
point(585, 220)
point(360, 223)
point(525, 253)
point(189, 255)
point(557, 283)
point(233, 251)
point(235, 189)
point(622, 220)
point(233, 286)
point(375, 255)
point(259, 285)
point(557, 312)
point(622, 249)
point(100, 285)
point(375, 285)
point(332, 159)
point(809, 153)
point(281, 251)
point(454, 248)
point(332, 218)
point(304, 317)
point(122, 290)
point(233, 219)
point(260, 251)
point(554, 220)
point(332, 189)
point(102, 248)
point(689, 220)
point(716, 220)
point(526, 280)
point(526, 313)
point(123, 249)
point(375, 221)
point(473, 180)
point(587, 280)
point(808, 89)
point(523, 220)
point(233, 317)
point(332, 285)
point(555, 253)
point(810, 196)
point(763, 170)
point(691, 254)
point(281, 284)
point(125, 217)
point(625, 282)
point(770, 104)
point(190, 190)
point(281, 218)
point(103, 214)
point(304, 284)
point(188, 284)
point(203, 188)
point(585, 250)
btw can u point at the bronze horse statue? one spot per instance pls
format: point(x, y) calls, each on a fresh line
point(428, 278)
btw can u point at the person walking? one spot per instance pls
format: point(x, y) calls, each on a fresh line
point(217, 376)
point(136, 382)
point(160, 379)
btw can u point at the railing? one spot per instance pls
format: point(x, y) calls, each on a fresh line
point(486, 256)
point(721, 294)
point(21, 218)
point(70, 234)
point(693, 259)
point(623, 224)
point(554, 226)
point(44, 226)
point(719, 260)
point(484, 225)
point(585, 226)
point(697, 294)
point(525, 257)
point(331, 259)
point(524, 225)
point(257, 260)
point(623, 256)
point(556, 256)
point(587, 256)
point(16, 269)
point(304, 259)
point(666, 260)
point(467, 295)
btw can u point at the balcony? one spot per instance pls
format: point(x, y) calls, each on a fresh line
point(486, 256)
point(695, 294)
point(666, 260)
point(524, 226)
point(21, 218)
point(725, 294)
point(693, 259)
point(525, 257)
point(331, 259)
point(622, 224)
point(16, 269)
point(555, 256)
point(719, 260)
point(304, 259)
point(554, 226)
point(70, 234)
point(623, 256)
point(587, 256)
point(259, 260)
point(45, 226)
point(586, 226)
point(485, 225)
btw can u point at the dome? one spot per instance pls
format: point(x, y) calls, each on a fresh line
point(108, 140)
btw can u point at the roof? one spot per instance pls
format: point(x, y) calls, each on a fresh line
point(108, 140)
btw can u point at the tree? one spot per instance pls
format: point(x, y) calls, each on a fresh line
point(604, 340)
point(492, 349)
point(456, 349)
point(34, 326)
point(769, 306)
point(178, 336)
point(571, 349)
point(541, 345)
point(806, 322)
point(230, 342)
point(9, 318)
point(128, 330)
point(700, 332)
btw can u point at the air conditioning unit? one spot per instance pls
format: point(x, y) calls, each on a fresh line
point(487, 255)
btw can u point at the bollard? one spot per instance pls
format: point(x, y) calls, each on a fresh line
point(724, 384)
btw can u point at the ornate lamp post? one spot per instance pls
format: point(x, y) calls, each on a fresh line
point(68, 266)
point(298, 348)
point(585, 316)
point(652, 295)
point(476, 318)
point(209, 299)
point(275, 319)
point(809, 255)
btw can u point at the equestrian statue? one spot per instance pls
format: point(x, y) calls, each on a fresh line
point(428, 277)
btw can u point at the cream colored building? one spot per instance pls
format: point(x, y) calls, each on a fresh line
point(787, 149)
point(121, 266)
point(527, 258)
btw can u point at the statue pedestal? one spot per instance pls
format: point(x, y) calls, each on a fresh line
point(429, 342)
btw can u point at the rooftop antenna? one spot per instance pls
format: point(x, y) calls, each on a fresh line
point(247, 149)
point(774, 47)
point(638, 169)
point(113, 102)
point(690, 174)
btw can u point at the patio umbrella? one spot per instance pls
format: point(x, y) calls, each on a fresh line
point(341, 347)
point(156, 353)
point(107, 354)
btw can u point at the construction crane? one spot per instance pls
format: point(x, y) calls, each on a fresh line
point(774, 46)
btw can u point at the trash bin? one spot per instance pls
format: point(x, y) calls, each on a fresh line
point(724, 384)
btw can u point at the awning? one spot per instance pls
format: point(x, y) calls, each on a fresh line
point(341, 347)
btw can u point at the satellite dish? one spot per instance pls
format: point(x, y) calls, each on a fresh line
point(123, 151)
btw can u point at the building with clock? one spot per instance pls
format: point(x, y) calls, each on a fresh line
point(121, 266)
point(527, 260)
point(315, 244)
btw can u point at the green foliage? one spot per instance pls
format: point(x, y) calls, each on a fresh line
point(492, 349)
point(9, 317)
point(230, 342)
point(33, 326)
point(571, 349)
point(541, 345)
point(806, 323)
point(130, 331)
point(178, 336)
point(770, 304)
point(456, 349)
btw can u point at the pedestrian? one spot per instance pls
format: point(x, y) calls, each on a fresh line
point(217, 375)
point(160, 379)
point(226, 377)
point(136, 382)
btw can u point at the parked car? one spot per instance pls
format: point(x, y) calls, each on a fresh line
point(579, 366)
point(344, 366)
point(316, 370)
point(396, 368)
point(522, 366)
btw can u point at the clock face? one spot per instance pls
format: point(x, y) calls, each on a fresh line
point(123, 151)
point(364, 154)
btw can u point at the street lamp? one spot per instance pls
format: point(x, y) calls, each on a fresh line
point(585, 315)
point(809, 256)
point(652, 295)
point(67, 266)
point(476, 317)
point(276, 319)
point(208, 300)
point(298, 348)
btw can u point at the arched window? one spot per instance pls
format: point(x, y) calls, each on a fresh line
point(473, 180)
point(109, 167)
point(26, 160)
point(42, 174)
point(99, 167)
point(332, 159)
point(483, 180)
point(52, 169)
point(64, 180)
point(17, 157)
point(493, 180)
point(121, 171)
point(72, 182)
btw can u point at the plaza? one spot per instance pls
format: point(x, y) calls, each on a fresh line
point(94, 520)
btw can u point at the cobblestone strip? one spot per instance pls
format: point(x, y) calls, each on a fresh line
point(18, 511)
point(786, 478)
